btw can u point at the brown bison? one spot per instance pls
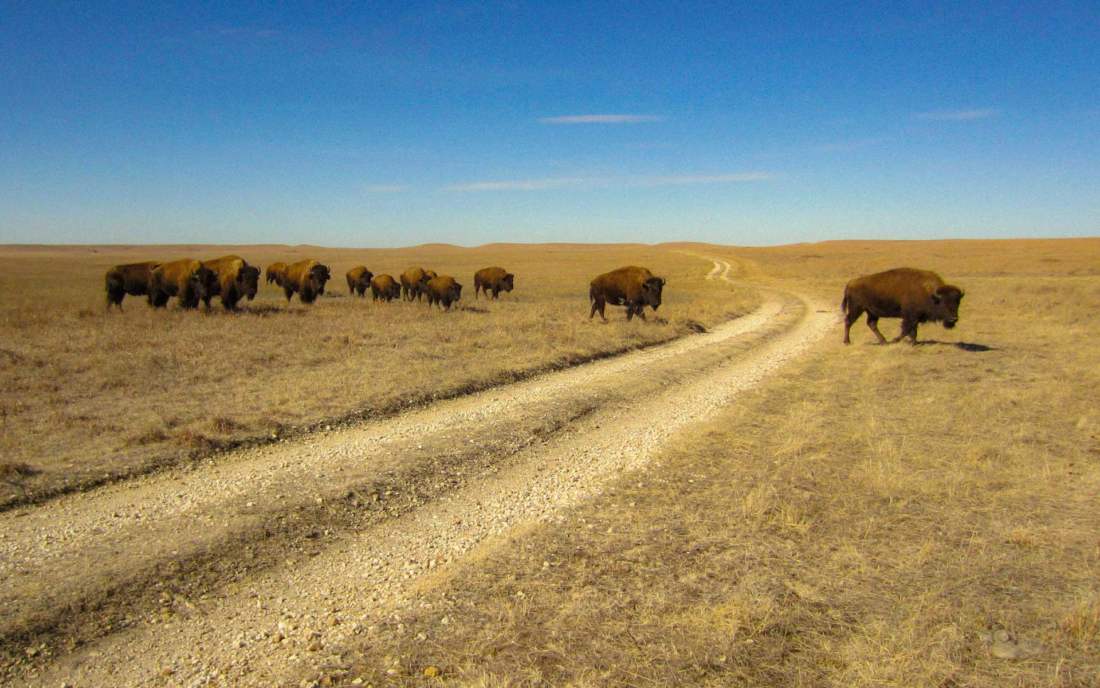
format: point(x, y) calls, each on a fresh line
point(307, 278)
point(632, 287)
point(493, 279)
point(187, 280)
point(385, 288)
point(275, 273)
point(134, 279)
point(234, 280)
point(443, 290)
point(414, 281)
point(915, 296)
point(359, 279)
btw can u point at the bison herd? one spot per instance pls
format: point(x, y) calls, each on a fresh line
point(232, 278)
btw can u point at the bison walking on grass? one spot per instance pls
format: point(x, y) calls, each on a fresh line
point(633, 287)
point(134, 279)
point(444, 291)
point(384, 288)
point(494, 279)
point(414, 281)
point(915, 296)
point(234, 280)
point(187, 280)
point(359, 278)
point(275, 273)
point(307, 279)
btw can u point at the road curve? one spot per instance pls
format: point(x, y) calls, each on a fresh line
point(233, 573)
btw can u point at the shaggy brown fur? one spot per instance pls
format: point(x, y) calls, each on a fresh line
point(915, 296)
point(134, 279)
point(234, 279)
point(385, 288)
point(306, 278)
point(275, 273)
point(359, 279)
point(443, 290)
point(493, 279)
point(414, 281)
point(185, 279)
point(631, 286)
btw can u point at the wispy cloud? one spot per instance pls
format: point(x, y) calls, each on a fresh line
point(957, 115)
point(386, 188)
point(600, 119)
point(522, 184)
point(845, 146)
point(610, 182)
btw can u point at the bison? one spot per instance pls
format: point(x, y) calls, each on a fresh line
point(359, 279)
point(187, 280)
point(134, 279)
point(443, 290)
point(234, 280)
point(275, 273)
point(384, 288)
point(631, 286)
point(306, 278)
point(414, 281)
point(915, 296)
point(493, 279)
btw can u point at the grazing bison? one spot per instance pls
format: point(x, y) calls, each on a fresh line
point(187, 280)
point(385, 288)
point(443, 290)
point(632, 287)
point(493, 279)
point(915, 296)
point(359, 279)
point(414, 281)
point(234, 279)
point(275, 273)
point(307, 278)
point(134, 279)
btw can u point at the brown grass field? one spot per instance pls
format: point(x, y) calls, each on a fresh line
point(876, 516)
point(92, 396)
point(868, 516)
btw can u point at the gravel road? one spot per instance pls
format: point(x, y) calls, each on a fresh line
point(237, 571)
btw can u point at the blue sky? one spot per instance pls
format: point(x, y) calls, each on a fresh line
point(384, 124)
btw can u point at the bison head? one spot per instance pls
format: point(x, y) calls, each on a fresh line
point(428, 276)
point(651, 291)
point(318, 275)
point(945, 305)
point(248, 281)
point(508, 282)
point(456, 291)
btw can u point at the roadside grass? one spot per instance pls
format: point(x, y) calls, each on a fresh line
point(92, 395)
point(873, 516)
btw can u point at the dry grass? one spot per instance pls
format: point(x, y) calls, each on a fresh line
point(873, 517)
point(91, 395)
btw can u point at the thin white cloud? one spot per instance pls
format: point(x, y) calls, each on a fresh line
point(609, 182)
point(845, 146)
point(521, 184)
point(386, 188)
point(600, 119)
point(957, 115)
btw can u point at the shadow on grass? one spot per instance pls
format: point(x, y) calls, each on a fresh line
point(965, 346)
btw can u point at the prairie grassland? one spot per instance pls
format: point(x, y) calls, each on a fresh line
point(92, 395)
point(875, 516)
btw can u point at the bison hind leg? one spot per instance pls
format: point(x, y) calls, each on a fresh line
point(872, 322)
point(850, 317)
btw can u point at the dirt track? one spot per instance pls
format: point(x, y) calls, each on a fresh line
point(235, 572)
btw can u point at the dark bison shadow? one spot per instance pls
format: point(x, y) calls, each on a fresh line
point(965, 346)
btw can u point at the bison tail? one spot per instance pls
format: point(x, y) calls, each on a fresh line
point(844, 302)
